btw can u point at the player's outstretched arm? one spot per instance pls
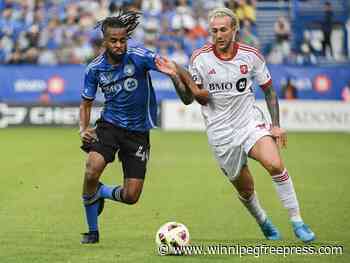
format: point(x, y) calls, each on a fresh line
point(169, 67)
point(201, 95)
point(186, 89)
point(87, 134)
point(278, 133)
point(184, 94)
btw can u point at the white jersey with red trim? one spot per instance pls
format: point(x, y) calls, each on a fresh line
point(229, 82)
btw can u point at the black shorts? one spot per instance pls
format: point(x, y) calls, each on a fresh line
point(133, 148)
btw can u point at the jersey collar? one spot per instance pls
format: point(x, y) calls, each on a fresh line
point(235, 48)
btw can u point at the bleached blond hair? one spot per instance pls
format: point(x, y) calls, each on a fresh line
point(223, 11)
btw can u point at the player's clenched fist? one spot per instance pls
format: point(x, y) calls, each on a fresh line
point(88, 135)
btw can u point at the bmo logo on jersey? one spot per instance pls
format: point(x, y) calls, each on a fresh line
point(111, 90)
point(223, 86)
point(240, 86)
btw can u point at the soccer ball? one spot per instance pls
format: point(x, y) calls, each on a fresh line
point(170, 237)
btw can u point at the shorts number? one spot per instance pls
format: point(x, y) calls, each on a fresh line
point(143, 154)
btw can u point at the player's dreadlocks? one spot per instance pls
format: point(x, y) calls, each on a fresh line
point(122, 19)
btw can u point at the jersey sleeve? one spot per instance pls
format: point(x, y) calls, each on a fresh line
point(149, 60)
point(90, 85)
point(145, 57)
point(261, 73)
point(193, 68)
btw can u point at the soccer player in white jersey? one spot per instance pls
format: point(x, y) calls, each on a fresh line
point(223, 73)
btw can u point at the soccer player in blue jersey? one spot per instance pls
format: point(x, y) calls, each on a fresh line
point(129, 112)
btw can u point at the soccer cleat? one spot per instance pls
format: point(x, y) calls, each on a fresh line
point(303, 232)
point(91, 237)
point(270, 231)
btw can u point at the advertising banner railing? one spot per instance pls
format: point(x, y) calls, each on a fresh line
point(294, 115)
point(62, 84)
point(34, 115)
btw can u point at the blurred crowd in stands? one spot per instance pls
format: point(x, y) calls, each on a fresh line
point(62, 31)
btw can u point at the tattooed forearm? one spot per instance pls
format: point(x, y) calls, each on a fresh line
point(272, 104)
point(184, 94)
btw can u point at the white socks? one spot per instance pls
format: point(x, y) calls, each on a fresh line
point(286, 193)
point(254, 208)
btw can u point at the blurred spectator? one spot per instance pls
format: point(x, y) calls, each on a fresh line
point(244, 9)
point(200, 28)
point(197, 36)
point(179, 55)
point(208, 4)
point(2, 54)
point(281, 50)
point(282, 29)
point(82, 50)
point(250, 11)
point(247, 37)
point(152, 7)
point(51, 36)
point(327, 26)
point(47, 57)
point(101, 11)
point(151, 33)
point(183, 18)
point(306, 55)
point(15, 57)
point(275, 56)
point(31, 55)
point(289, 91)
point(282, 33)
point(7, 45)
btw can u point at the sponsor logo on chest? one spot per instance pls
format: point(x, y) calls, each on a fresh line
point(222, 86)
point(227, 86)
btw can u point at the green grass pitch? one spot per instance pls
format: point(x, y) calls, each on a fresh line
point(41, 215)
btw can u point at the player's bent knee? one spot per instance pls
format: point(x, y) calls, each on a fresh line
point(131, 199)
point(275, 167)
point(131, 196)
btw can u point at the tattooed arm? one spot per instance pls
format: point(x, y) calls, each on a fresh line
point(201, 95)
point(181, 90)
point(271, 99)
point(278, 133)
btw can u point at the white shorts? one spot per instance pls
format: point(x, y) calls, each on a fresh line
point(232, 156)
